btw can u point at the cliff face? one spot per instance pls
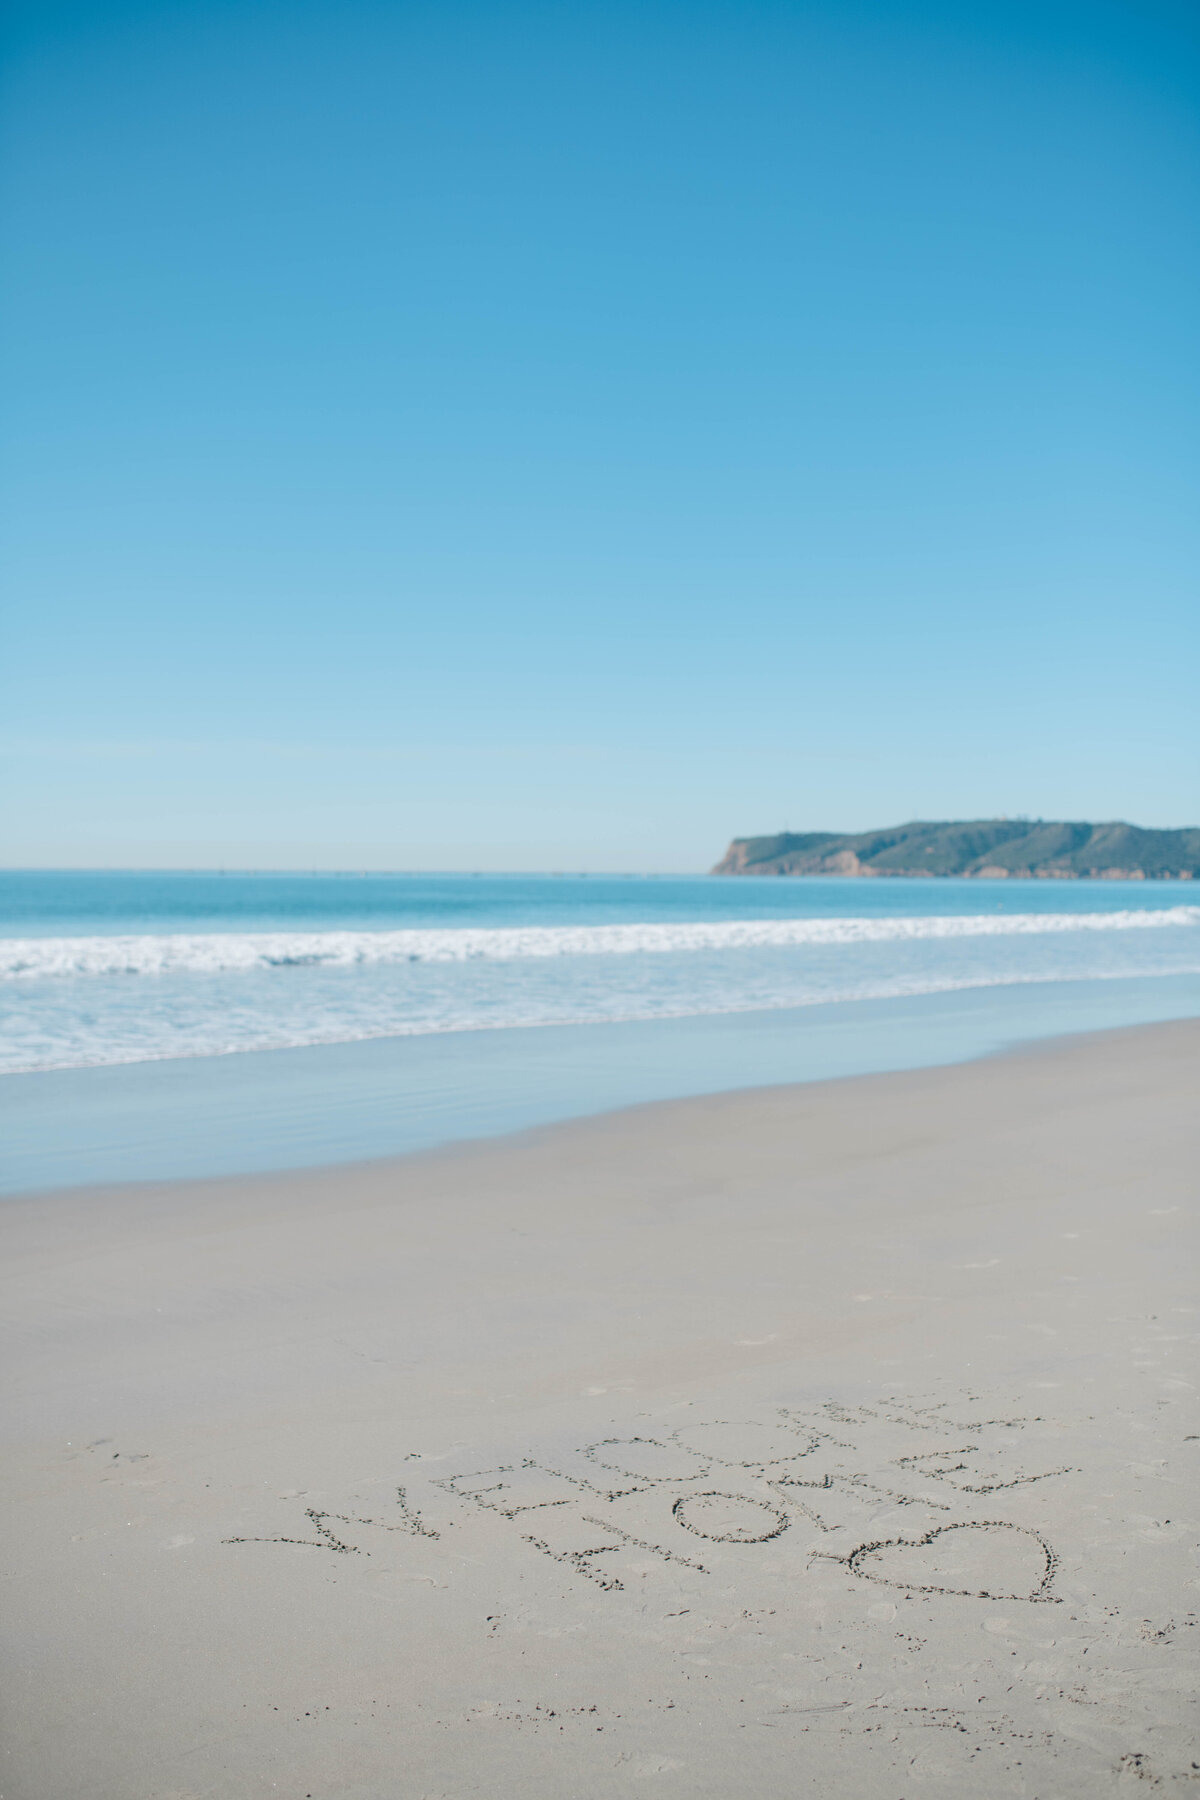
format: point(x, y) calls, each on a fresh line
point(991, 848)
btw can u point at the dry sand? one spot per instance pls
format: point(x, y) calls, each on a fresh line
point(833, 1440)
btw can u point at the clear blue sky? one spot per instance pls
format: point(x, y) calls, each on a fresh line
point(566, 435)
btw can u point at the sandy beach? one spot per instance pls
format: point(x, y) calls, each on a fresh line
point(837, 1439)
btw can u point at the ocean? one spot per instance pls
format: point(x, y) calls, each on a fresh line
point(112, 974)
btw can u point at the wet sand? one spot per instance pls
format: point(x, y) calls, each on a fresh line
point(835, 1440)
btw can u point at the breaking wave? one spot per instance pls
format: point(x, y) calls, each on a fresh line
point(213, 953)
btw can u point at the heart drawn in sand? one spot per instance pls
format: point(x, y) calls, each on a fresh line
point(987, 1560)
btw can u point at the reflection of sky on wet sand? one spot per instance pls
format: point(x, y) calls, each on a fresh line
point(344, 1102)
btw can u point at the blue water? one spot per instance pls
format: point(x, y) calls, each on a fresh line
point(171, 1024)
point(118, 968)
point(47, 903)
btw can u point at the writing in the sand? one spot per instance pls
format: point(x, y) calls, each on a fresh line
point(697, 1495)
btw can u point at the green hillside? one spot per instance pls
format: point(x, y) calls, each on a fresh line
point(985, 847)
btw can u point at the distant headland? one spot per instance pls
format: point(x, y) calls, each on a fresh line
point(989, 848)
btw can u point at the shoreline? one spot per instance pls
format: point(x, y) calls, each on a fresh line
point(720, 1444)
point(256, 1111)
point(434, 1153)
point(869, 874)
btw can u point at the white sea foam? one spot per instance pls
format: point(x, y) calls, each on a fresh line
point(213, 953)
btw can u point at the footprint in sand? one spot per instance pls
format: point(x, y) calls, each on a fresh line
point(992, 1560)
